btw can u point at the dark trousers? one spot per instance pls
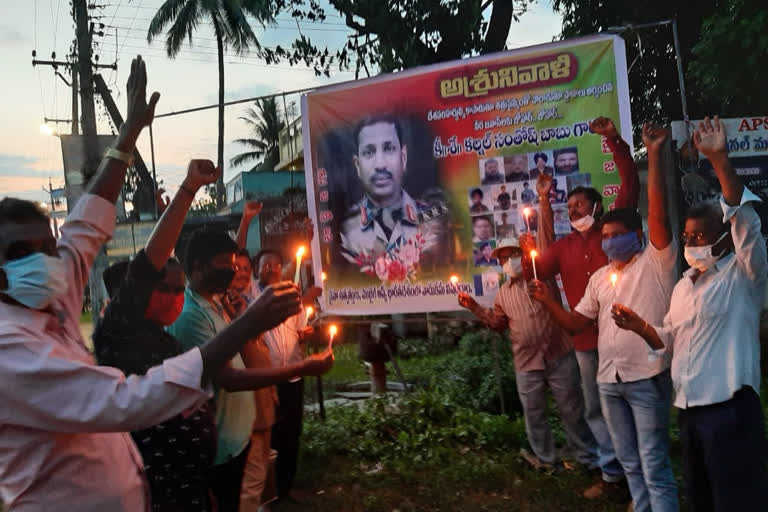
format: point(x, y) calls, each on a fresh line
point(226, 480)
point(286, 433)
point(724, 453)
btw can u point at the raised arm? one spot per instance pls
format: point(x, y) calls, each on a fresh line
point(629, 191)
point(495, 319)
point(571, 321)
point(656, 140)
point(548, 259)
point(166, 232)
point(111, 173)
point(545, 236)
point(709, 138)
point(250, 379)
point(250, 211)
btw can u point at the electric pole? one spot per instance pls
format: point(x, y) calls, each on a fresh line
point(85, 72)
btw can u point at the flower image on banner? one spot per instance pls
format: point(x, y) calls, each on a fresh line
point(415, 176)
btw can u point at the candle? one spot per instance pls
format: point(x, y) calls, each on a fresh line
point(454, 281)
point(614, 278)
point(526, 214)
point(533, 260)
point(310, 310)
point(332, 330)
point(299, 254)
point(323, 276)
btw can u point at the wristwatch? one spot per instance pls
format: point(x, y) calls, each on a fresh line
point(127, 158)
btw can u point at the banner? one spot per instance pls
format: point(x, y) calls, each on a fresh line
point(747, 139)
point(416, 176)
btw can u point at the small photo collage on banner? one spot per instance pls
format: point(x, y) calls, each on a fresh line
point(505, 187)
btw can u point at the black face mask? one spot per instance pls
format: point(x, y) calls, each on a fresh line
point(217, 280)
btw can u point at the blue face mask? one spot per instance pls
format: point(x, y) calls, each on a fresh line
point(35, 280)
point(622, 247)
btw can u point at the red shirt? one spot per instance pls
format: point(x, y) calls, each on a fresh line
point(576, 257)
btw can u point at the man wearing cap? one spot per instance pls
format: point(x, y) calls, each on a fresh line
point(544, 358)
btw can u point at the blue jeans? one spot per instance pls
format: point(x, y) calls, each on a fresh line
point(609, 464)
point(562, 379)
point(637, 414)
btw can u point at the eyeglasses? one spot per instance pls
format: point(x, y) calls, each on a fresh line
point(697, 236)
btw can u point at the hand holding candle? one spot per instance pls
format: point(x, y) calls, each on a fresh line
point(533, 262)
point(299, 254)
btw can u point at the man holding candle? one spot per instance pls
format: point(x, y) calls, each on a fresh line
point(544, 358)
point(712, 331)
point(576, 257)
point(634, 382)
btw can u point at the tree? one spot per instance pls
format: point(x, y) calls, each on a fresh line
point(399, 34)
point(265, 124)
point(722, 43)
point(231, 28)
point(729, 59)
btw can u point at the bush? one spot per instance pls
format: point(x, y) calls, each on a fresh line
point(420, 426)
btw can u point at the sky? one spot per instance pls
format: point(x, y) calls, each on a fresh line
point(29, 159)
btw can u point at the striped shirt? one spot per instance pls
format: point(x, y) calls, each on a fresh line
point(536, 338)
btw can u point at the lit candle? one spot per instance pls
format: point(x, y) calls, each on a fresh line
point(310, 310)
point(299, 254)
point(614, 278)
point(332, 330)
point(323, 276)
point(533, 260)
point(526, 214)
point(454, 281)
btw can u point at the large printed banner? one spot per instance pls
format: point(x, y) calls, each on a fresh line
point(416, 176)
point(748, 151)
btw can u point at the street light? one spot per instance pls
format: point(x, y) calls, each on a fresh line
point(46, 130)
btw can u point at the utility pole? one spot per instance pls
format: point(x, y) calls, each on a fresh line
point(85, 72)
point(75, 101)
point(53, 207)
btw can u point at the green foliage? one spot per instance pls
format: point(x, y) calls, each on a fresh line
point(729, 58)
point(265, 124)
point(423, 425)
point(468, 376)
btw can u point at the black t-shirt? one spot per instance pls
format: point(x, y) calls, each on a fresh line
point(178, 453)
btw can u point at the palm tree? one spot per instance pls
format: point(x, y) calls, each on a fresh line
point(265, 124)
point(231, 28)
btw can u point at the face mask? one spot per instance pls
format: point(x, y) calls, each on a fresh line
point(701, 258)
point(218, 279)
point(586, 222)
point(164, 307)
point(622, 247)
point(36, 280)
point(513, 267)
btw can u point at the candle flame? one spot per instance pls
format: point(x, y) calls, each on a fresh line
point(454, 279)
point(534, 253)
point(310, 310)
point(526, 211)
point(614, 278)
point(323, 276)
point(333, 330)
point(300, 252)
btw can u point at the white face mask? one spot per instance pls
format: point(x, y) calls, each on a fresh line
point(513, 267)
point(35, 280)
point(586, 222)
point(701, 258)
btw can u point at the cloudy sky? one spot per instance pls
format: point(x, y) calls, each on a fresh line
point(28, 159)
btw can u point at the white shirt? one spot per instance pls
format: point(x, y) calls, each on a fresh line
point(712, 328)
point(63, 420)
point(645, 285)
point(283, 341)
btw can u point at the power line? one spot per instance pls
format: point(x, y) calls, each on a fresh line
point(266, 28)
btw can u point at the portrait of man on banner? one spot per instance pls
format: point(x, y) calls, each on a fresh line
point(383, 224)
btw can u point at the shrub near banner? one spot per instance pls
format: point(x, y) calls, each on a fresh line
point(413, 176)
